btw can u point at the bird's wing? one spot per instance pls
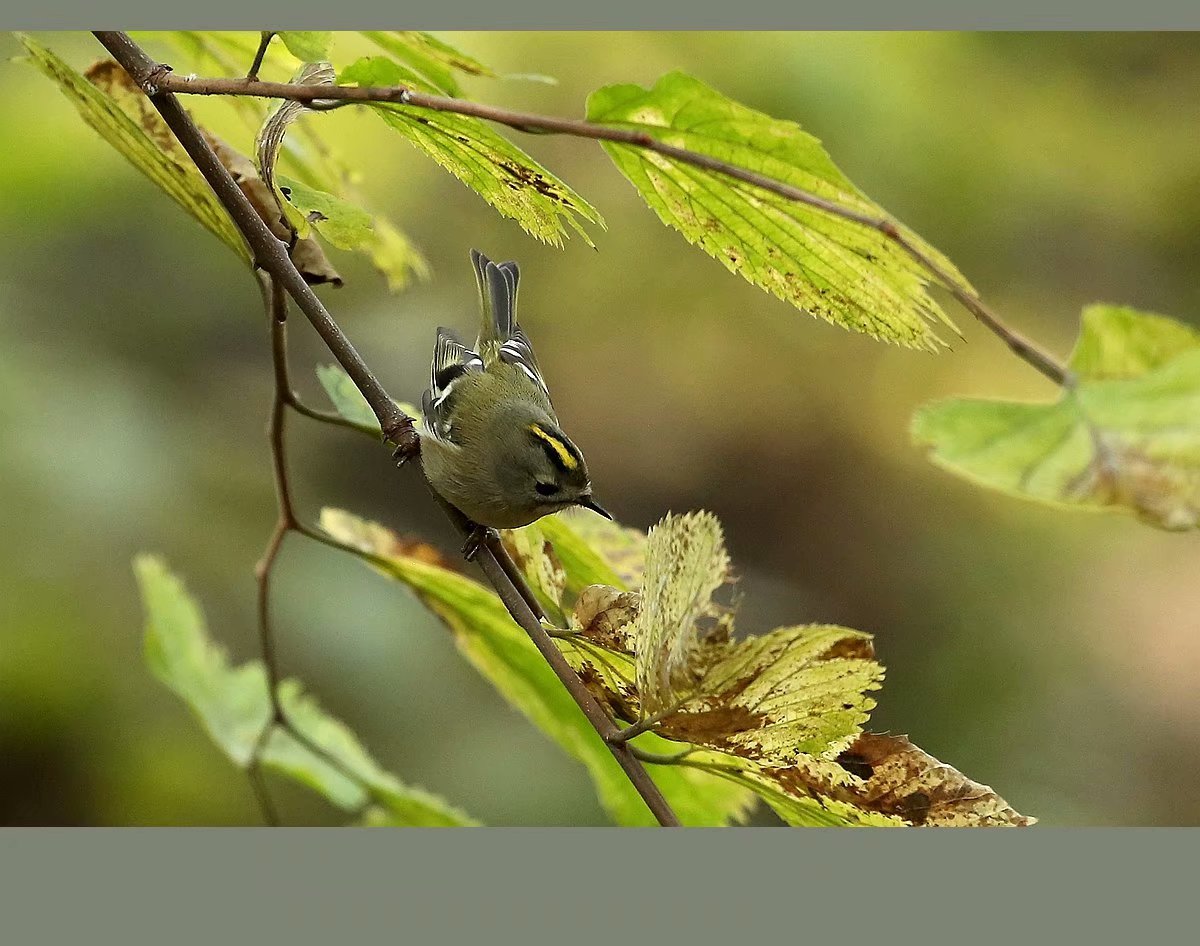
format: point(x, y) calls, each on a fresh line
point(451, 360)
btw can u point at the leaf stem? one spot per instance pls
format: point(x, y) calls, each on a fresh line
point(264, 41)
point(661, 758)
point(641, 726)
point(328, 417)
point(1023, 347)
point(271, 255)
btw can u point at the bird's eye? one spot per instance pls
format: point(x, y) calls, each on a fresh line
point(545, 489)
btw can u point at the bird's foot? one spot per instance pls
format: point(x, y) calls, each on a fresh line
point(478, 538)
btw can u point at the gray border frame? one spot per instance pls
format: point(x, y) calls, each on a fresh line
point(630, 14)
point(254, 885)
point(578, 885)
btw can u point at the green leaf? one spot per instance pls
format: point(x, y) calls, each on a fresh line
point(307, 45)
point(491, 165)
point(1119, 342)
point(535, 557)
point(487, 636)
point(233, 706)
point(844, 272)
point(125, 119)
point(1126, 437)
point(395, 255)
point(351, 405)
point(430, 58)
point(595, 550)
point(338, 221)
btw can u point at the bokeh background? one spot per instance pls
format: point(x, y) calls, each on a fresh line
point(1054, 656)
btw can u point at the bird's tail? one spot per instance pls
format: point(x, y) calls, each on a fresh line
point(498, 298)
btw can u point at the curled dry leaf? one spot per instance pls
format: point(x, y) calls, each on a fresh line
point(304, 206)
point(271, 134)
point(888, 775)
point(115, 82)
point(604, 615)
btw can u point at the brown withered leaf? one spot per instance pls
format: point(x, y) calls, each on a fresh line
point(307, 254)
point(878, 781)
point(608, 677)
point(887, 775)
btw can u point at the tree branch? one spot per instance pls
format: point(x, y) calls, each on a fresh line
point(1023, 347)
point(271, 255)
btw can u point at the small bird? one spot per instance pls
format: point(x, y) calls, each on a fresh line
point(493, 447)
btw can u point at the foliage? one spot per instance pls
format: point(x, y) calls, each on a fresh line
point(487, 162)
point(485, 634)
point(836, 269)
point(1125, 436)
point(780, 714)
point(233, 705)
point(147, 145)
point(646, 620)
point(432, 60)
point(307, 156)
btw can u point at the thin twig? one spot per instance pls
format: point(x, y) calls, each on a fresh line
point(286, 520)
point(528, 122)
point(275, 300)
point(271, 255)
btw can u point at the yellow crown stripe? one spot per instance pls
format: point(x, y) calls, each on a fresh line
point(565, 455)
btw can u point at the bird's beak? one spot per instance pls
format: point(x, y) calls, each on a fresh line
point(588, 503)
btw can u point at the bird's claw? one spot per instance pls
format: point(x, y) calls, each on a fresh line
point(407, 441)
point(477, 539)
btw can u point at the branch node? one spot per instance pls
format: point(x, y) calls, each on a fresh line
point(149, 83)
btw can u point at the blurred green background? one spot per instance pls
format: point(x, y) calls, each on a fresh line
point(1053, 656)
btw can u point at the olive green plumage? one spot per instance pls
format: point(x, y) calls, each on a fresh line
point(493, 446)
